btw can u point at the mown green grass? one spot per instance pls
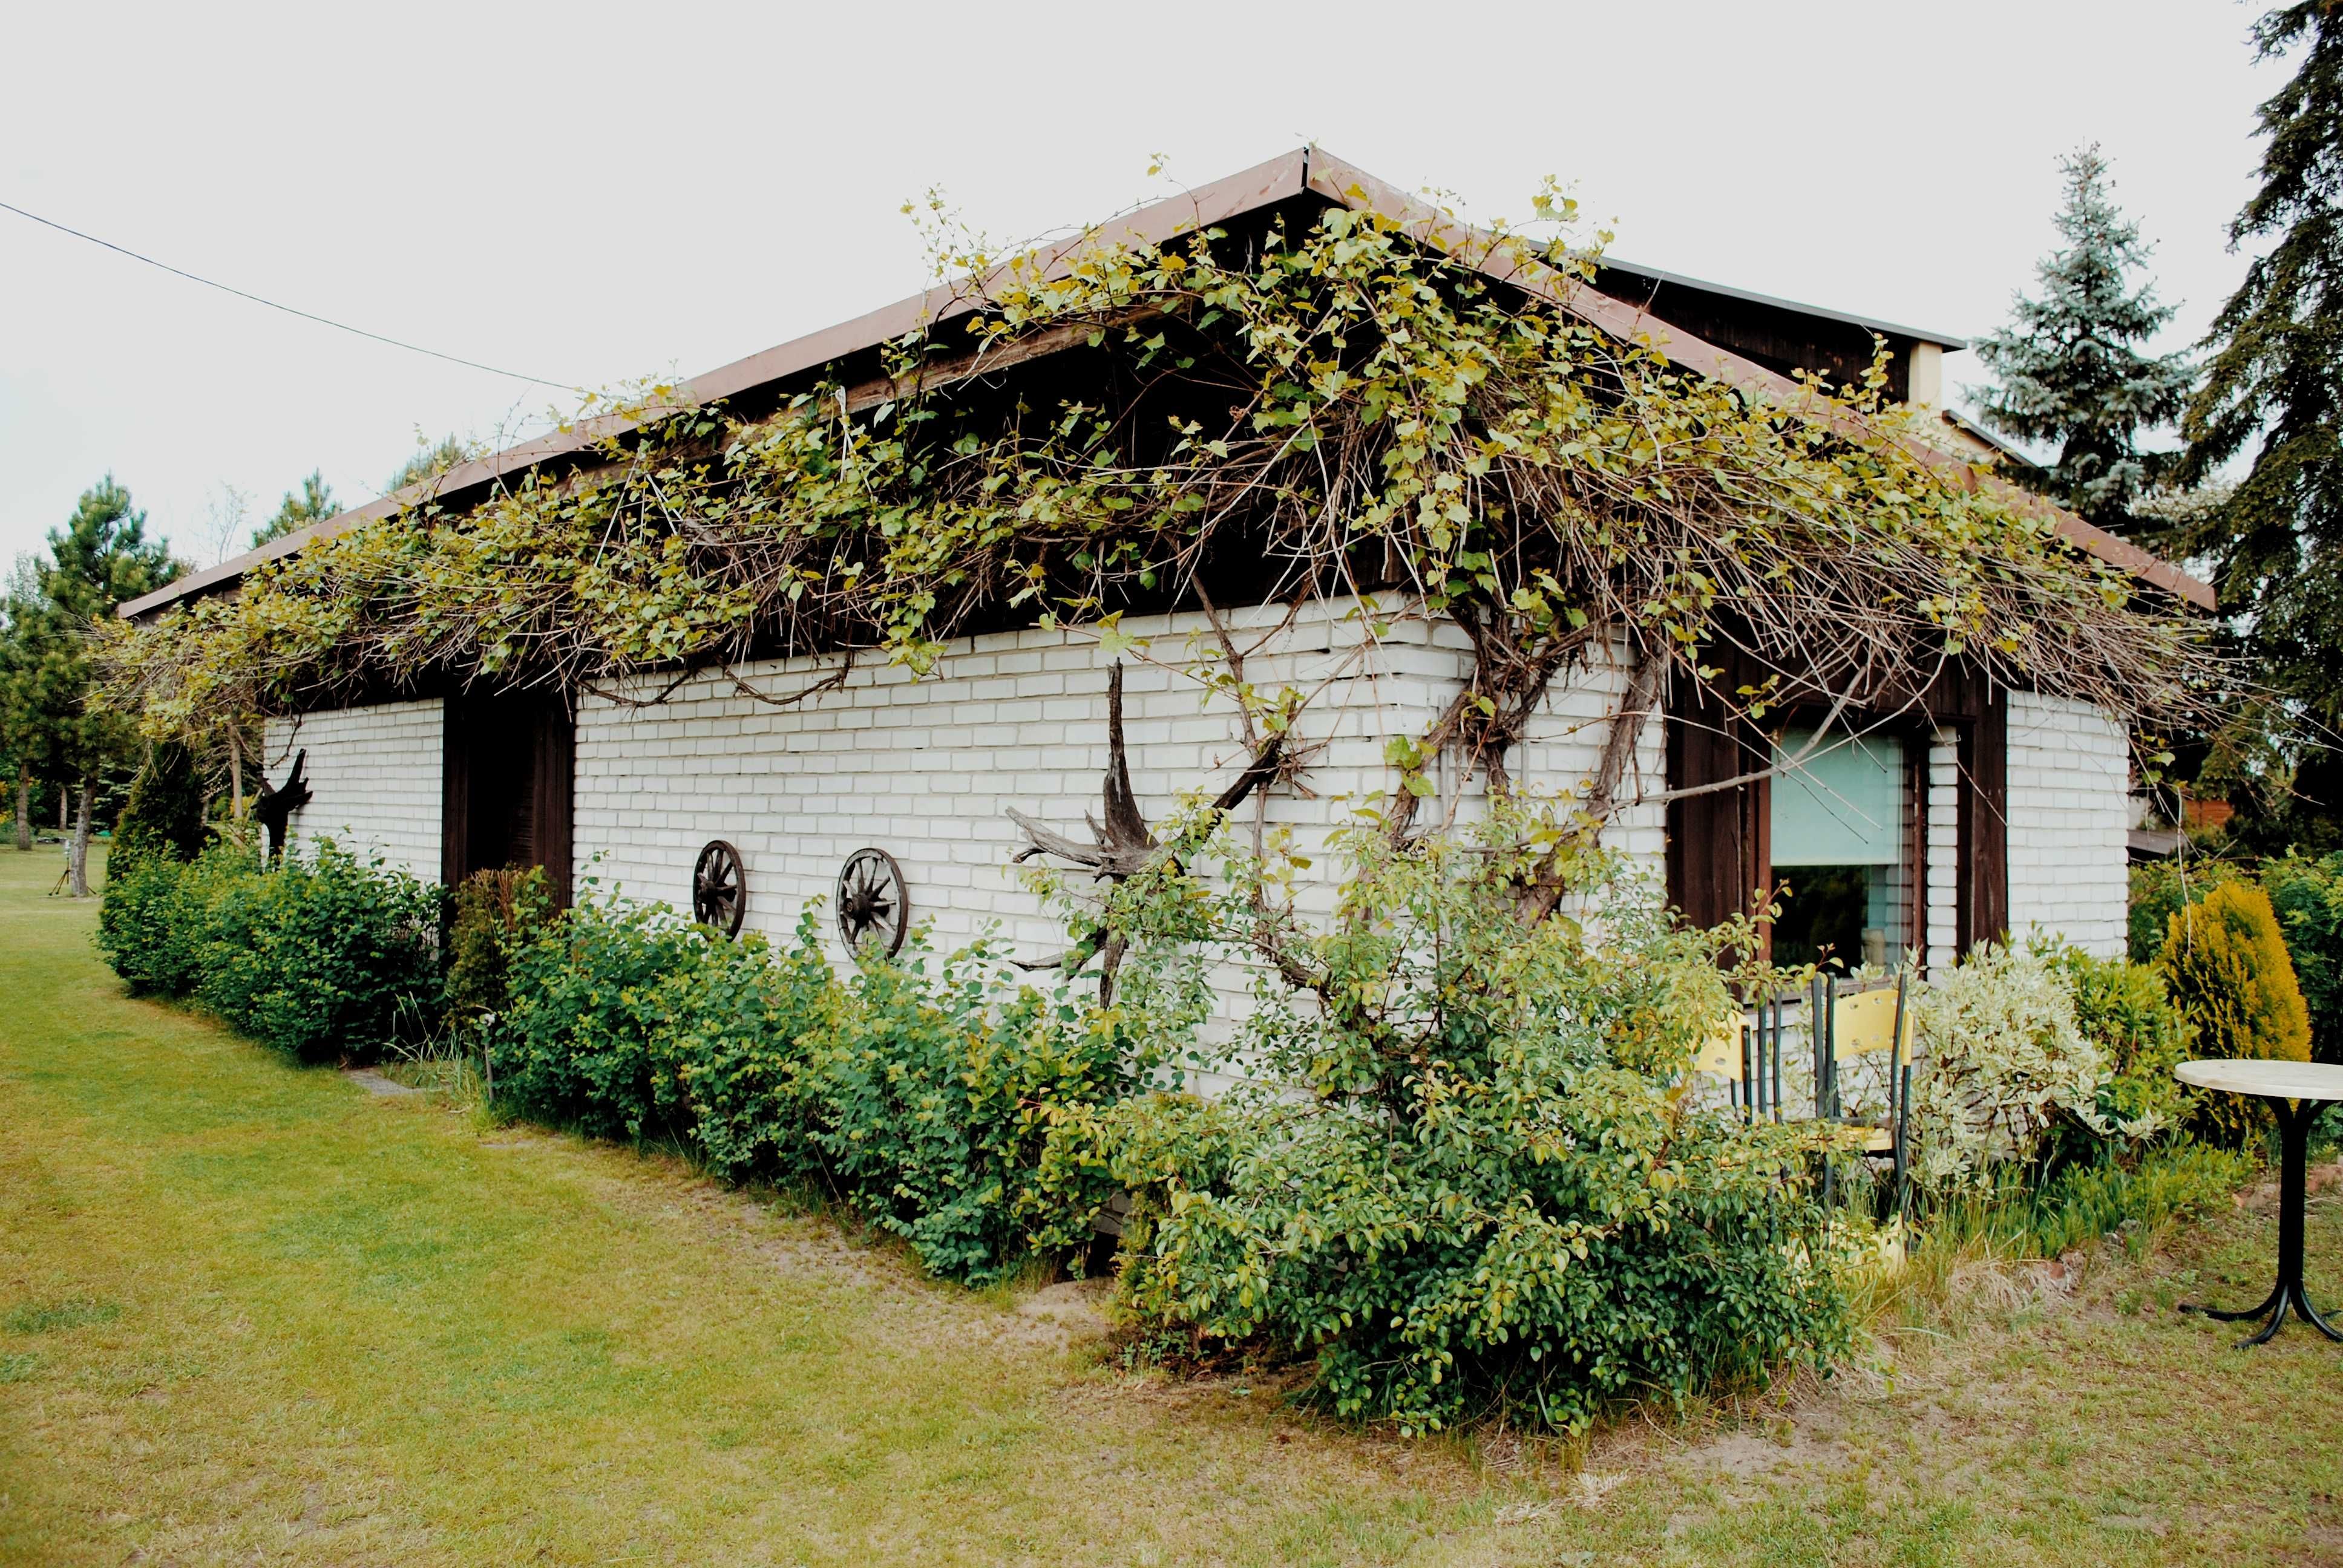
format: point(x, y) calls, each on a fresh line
point(250, 1313)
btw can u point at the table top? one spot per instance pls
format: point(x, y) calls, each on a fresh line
point(2276, 1080)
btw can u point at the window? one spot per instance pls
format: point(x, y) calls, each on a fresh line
point(1839, 824)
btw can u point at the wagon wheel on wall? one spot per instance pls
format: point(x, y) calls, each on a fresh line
point(719, 888)
point(874, 907)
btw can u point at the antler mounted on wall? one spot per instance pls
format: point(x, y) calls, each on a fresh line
point(1121, 844)
point(275, 808)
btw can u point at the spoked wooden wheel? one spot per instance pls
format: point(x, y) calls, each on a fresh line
point(874, 907)
point(719, 888)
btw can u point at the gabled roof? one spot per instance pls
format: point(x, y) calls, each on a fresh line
point(1304, 172)
point(1636, 269)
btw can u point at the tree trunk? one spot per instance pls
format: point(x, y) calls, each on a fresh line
point(80, 851)
point(24, 811)
point(235, 774)
point(65, 803)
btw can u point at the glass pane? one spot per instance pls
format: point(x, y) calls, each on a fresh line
point(1842, 807)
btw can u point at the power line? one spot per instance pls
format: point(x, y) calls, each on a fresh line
point(287, 309)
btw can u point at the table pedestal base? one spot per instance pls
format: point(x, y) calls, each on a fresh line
point(2294, 1119)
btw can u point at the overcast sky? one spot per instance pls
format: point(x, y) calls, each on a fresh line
point(594, 194)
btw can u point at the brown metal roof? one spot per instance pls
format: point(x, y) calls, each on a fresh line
point(1282, 178)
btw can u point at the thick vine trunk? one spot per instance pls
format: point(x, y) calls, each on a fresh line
point(235, 774)
point(79, 862)
point(1539, 898)
point(24, 811)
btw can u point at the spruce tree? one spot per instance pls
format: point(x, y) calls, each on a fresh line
point(2274, 390)
point(2071, 368)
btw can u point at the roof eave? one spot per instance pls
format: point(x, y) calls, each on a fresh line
point(1304, 170)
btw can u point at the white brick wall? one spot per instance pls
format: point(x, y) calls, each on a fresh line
point(927, 769)
point(2069, 806)
point(1943, 913)
point(373, 778)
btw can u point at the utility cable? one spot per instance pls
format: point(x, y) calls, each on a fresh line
point(289, 310)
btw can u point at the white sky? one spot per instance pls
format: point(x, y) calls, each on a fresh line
point(592, 193)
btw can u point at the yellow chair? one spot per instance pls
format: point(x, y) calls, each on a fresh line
point(1865, 1024)
point(1745, 1049)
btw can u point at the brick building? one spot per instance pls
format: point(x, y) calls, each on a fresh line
point(1985, 810)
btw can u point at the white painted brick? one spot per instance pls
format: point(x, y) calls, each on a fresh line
point(374, 776)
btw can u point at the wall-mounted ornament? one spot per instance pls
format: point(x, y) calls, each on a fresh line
point(874, 907)
point(719, 888)
point(275, 808)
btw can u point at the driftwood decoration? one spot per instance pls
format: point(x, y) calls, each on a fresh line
point(1123, 845)
point(275, 808)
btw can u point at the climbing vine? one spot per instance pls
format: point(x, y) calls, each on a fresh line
point(1356, 407)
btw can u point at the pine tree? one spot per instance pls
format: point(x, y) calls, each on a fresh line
point(2071, 369)
point(100, 557)
point(312, 503)
point(430, 460)
point(2275, 384)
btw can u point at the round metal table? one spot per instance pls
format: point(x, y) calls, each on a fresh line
point(2300, 1089)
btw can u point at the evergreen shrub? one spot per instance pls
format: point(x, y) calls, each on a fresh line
point(2162, 889)
point(2230, 973)
point(164, 815)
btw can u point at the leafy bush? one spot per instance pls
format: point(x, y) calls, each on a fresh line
point(2000, 1064)
point(2127, 1011)
point(1472, 1188)
point(2229, 972)
point(155, 917)
point(322, 959)
point(923, 1099)
point(931, 1101)
point(2308, 896)
point(587, 995)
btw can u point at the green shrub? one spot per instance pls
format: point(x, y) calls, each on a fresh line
point(2229, 972)
point(2160, 890)
point(932, 1100)
point(1471, 1189)
point(922, 1093)
point(2308, 896)
point(155, 917)
point(2000, 1067)
point(2127, 1011)
point(323, 960)
point(574, 1046)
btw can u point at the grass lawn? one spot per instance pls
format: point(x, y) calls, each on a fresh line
point(253, 1313)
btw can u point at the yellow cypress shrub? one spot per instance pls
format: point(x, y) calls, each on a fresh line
point(2229, 970)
